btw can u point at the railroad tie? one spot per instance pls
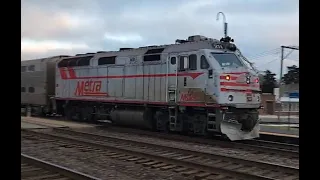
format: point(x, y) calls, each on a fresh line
point(167, 167)
point(187, 173)
point(180, 169)
point(234, 166)
point(30, 168)
point(46, 176)
point(293, 177)
point(201, 175)
point(124, 157)
point(223, 164)
point(218, 177)
point(134, 159)
point(150, 163)
point(31, 173)
point(118, 156)
point(159, 165)
point(142, 161)
point(63, 178)
point(247, 169)
point(184, 157)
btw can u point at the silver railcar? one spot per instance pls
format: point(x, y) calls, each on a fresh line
point(38, 83)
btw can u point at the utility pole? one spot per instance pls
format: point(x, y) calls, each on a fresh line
point(281, 69)
point(225, 24)
point(281, 72)
point(281, 63)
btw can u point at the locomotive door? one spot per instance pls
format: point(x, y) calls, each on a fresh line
point(172, 80)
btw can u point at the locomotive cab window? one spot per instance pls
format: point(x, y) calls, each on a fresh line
point(183, 63)
point(227, 60)
point(23, 89)
point(193, 62)
point(31, 89)
point(203, 62)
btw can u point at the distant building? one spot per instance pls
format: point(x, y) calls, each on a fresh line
point(288, 88)
point(286, 105)
point(268, 101)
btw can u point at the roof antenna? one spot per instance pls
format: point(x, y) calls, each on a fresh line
point(225, 24)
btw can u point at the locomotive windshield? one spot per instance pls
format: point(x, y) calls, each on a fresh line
point(227, 59)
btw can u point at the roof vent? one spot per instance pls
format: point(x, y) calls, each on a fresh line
point(122, 49)
point(197, 38)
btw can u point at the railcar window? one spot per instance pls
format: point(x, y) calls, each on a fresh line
point(227, 60)
point(23, 68)
point(193, 62)
point(107, 60)
point(203, 62)
point(31, 68)
point(153, 55)
point(23, 89)
point(73, 62)
point(173, 60)
point(84, 61)
point(63, 63)
point(31, 89)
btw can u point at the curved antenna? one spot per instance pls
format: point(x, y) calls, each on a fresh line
point(224, 17)
point(225, 24)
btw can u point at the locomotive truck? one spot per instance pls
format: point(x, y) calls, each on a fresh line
point(199, 85)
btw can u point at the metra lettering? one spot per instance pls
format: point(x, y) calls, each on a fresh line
point(89, 88)
point(185, 96)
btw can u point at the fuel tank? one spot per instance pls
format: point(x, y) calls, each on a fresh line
point(137, 118)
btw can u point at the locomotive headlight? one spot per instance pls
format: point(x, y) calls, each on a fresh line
point(248, 80)
point(227, 77)
point(230, 98)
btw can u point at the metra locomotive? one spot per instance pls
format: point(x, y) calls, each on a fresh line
point(199, 85)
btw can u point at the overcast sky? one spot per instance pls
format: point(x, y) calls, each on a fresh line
point(67, 27)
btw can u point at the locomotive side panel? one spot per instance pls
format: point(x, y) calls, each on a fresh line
point(115, 85)
point(139, 83)
point(152, 82)
point(130, 83)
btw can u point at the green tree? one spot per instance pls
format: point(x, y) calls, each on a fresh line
point(269, 82)
point(292, 76)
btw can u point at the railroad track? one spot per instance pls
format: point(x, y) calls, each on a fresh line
point(266, 147)
point(284, 147)
point(33, 168)
point(278, 143)
point(200, 165)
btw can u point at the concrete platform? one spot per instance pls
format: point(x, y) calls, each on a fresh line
point(25, 125)
point(281, 119)
point(279, 130)
point(50, 123)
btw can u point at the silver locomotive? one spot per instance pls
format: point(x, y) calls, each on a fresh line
point(199, 85)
